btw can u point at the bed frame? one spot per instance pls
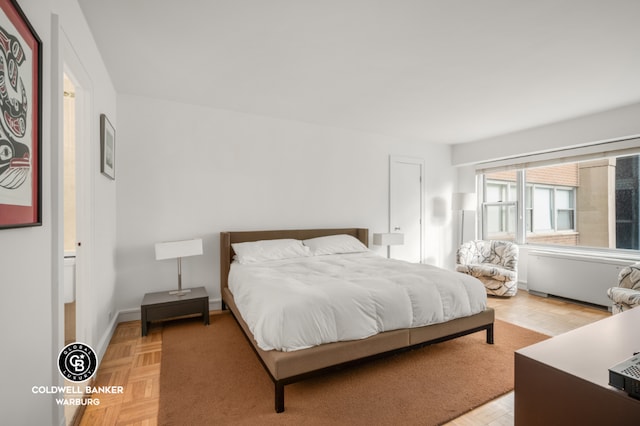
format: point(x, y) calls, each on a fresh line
point(289, 367)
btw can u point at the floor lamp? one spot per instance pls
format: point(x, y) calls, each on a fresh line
point(462, 201)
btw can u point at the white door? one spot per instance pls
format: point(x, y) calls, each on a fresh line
point(69, 208)
point(405, 206)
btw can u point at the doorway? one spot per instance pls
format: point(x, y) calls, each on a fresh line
point(70, 194)
point(76, 212)
point(69, 209)
point(406, 206)
point(77, 121)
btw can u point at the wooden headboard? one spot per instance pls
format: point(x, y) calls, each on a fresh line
point(228, 238)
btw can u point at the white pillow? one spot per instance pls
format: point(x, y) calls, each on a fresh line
point(260, 251)
point(335, 244)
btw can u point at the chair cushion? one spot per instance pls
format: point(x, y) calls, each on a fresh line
point(625, 296)
point(629, 277)
point(501, 253)
point(487, 270)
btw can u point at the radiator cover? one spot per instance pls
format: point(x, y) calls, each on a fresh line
point(578, 277)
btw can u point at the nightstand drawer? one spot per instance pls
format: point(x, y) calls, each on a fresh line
point(175, 309)
point(165, 306)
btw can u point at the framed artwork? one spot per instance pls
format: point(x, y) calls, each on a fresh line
point(107, 148)
point(20, 119)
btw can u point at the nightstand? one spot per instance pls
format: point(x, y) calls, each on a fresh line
point(162, 306)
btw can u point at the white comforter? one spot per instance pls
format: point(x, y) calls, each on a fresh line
point(299, 303)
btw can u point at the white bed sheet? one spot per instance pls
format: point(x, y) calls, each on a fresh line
point(299, 303)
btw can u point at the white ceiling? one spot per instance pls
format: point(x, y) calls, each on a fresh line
point(437, 70)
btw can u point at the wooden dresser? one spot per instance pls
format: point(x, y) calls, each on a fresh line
point(565, 380)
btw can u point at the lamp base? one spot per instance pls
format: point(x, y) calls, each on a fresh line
point(180, 292)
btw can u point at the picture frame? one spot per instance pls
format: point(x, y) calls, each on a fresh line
point(20, 119)
point(107, 148)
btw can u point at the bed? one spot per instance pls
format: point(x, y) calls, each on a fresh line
point(288, 363)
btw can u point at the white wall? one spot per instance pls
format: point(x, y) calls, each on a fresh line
point(605, 126)
point(187, 171)
point(30, 313)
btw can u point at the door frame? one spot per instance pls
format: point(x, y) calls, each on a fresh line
point(398, 159)
point(74, 69)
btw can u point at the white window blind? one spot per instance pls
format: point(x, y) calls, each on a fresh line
point(562, 156)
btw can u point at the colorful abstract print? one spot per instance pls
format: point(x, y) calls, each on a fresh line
point(15, 156)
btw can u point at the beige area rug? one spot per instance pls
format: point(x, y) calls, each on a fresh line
point(211, 376)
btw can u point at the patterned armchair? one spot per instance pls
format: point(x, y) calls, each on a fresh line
point(495, 263)
point(627, 294)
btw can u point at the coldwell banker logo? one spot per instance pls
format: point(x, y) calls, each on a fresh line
point(77, 362)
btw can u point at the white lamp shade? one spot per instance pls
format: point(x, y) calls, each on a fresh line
point(391, 239)
point(463, 201)
point(174, 249)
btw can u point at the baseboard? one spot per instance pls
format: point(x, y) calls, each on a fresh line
point(106, 337)
point(538, 293)
point(125, 315)
point(215, 305)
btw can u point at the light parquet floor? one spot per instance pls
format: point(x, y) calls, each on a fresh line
point(133, 362)
point(550, 316)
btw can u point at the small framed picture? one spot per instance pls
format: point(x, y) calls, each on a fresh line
point(107, 148)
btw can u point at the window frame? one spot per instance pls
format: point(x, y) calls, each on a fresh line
point(572, 209)
point(554, 208)
point(483, 216)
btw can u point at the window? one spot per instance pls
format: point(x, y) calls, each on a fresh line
point(593, 203)
point(627, 203)
point(549, 209)
point(499, 206)
point(564, 209)
point(542, 209)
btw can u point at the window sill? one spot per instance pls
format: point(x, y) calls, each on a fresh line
point(551, 233)
point(624, 256)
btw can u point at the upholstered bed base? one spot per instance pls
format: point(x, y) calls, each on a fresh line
point(289, 367)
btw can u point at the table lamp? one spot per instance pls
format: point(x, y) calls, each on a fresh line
point(389, 239)
point(179, 249)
